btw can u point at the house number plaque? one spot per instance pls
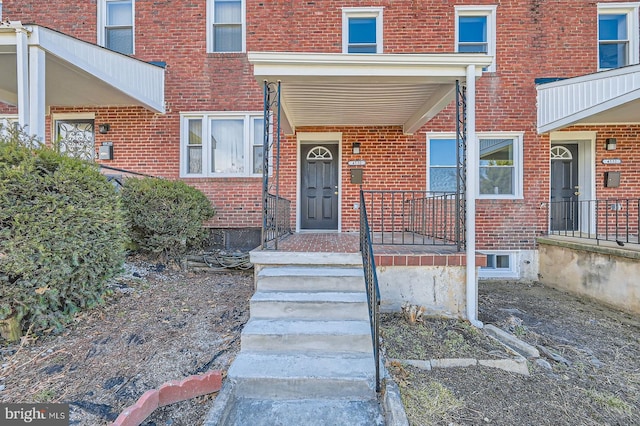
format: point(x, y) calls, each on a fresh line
point(612, 161)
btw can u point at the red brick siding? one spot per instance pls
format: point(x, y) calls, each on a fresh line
point(535, 39)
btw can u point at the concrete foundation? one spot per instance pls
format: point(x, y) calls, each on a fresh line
point(440, 289)
point(605, 273)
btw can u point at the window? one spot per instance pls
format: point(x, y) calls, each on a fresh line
point(0, 10)
point(222, 144)
point(116, 19)
point(75, 138)
point(476, 31)
point(499, 164)
point(499, 265)
point(225, 26)
point(442, 165)
point(617, 35)
point(6, 122)
point(361, 30)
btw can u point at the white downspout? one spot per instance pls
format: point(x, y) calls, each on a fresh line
point(472, 180)
point(22, 69)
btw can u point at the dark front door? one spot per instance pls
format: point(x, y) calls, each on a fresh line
point(564, 187)
point(319, 186)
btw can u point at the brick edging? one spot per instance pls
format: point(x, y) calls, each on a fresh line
point(169, 393)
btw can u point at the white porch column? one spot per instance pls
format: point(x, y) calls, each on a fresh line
point(22, 68)
point(37, 106)
point(472, 184)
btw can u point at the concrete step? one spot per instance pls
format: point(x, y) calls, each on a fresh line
point(256, 412)
point(303, 376)
point(307, 305)
point(308, 335)
point(314, 278)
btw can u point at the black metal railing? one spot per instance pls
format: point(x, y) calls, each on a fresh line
point(415, 217)
point(612, 219)
point(276, 220)
point(117, 180)
point(371, 284)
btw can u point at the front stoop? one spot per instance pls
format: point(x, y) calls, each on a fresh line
point(306, 355)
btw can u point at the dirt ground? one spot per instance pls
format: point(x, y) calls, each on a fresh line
point(588, 372)
point(161, 325)
point(164, 325)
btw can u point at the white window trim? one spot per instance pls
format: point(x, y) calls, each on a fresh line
point(511, 272)
point(102, 24)
point(210, 7)
point(518, 158)
point(631, 9)
point(362, 12)
point(248, 118)
point(71, 116)
point(9, 119)
point(490, 12)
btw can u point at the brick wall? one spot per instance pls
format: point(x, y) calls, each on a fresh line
point(536, 38)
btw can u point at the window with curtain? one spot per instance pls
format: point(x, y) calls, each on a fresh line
point(222, 144)
point(118, 26)
point(226, 17)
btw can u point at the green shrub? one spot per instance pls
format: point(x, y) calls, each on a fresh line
point(61, 234)
point(165, 217)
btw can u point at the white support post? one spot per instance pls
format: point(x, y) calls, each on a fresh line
point(472, 184)
point(37, 86)
point(22, 69)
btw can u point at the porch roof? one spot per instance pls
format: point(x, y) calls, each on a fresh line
point(335, 89)
point(77, 73)
point(606, 97)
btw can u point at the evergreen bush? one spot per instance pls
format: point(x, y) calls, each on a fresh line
point(61, 233)
point(165, 217)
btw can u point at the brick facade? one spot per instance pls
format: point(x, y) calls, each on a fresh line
point(534, 39)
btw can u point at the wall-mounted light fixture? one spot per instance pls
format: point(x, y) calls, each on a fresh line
point(355, 148)
point(611, 144)
point(104, 128)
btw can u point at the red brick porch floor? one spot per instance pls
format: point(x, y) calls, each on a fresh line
point(385, 255)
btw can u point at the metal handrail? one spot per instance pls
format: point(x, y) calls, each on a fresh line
point(415, 217)
point(611, 219)
point(371, 284)
point(276, 220)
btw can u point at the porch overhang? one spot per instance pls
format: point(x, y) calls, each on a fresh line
point(47, 68)
point(334, 89)
point(606, 97)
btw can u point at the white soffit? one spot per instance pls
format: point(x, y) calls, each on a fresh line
point(606, 97)
point(335, 89)
point(78, 73)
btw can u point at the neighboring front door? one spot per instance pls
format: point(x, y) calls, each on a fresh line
point(76, 138)
point(564, 187)
point(319, 186)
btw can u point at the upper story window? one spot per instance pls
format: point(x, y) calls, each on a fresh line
point(476, 31)
point(225, 25)
point(0, 10)
point(115, 29)
point(617, 34)
point(222, 144)
point(362, 30)
point(500, 167)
